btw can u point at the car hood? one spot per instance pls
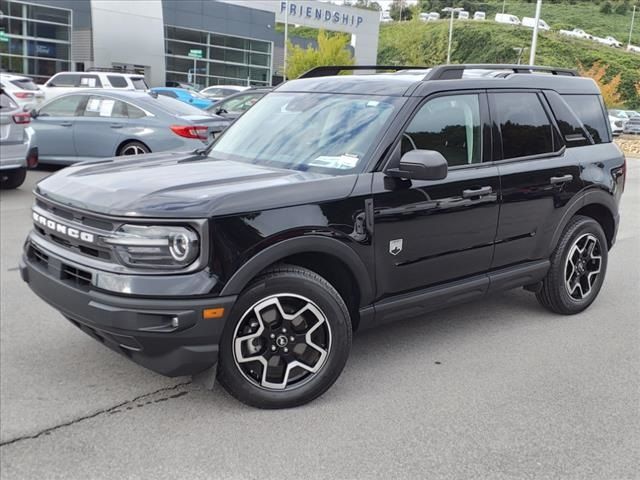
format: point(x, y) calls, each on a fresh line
point(174, 185)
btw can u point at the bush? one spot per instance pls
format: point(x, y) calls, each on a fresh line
point(606, 8)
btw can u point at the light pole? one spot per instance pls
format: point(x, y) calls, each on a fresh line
point(504, 4)
point(633, 18)
point(286, 37)
point(534, 40)
point(452, 11)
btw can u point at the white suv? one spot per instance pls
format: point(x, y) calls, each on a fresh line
point(65, 82)
point(22, 90)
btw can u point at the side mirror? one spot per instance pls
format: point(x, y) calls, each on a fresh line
point(34, 113)
point(421, 165)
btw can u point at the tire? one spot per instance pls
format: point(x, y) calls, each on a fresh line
point(13, 178)
point(133, 148)
point(323, 325)
point(565, 289)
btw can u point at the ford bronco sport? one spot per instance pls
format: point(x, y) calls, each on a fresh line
point(336, 203)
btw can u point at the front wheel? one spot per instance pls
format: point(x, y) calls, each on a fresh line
point(287, 340)
point(578, 266)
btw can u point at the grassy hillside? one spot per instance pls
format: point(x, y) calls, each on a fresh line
point(568, 15)
point(418, 43)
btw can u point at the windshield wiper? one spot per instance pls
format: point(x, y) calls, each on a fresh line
point(204, 152)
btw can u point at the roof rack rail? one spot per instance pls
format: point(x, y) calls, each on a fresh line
point(329, 70)
point(113, 70)
point(453, 72)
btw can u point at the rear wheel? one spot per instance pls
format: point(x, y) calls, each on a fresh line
point(133, 148)
point(12, 178)
point(578, 267)
point(287, 340)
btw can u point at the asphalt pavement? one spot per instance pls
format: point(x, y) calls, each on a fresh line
point(496, 389)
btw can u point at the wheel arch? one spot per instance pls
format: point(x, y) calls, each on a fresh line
point(332, 259)
point(129, 140)
point(596, 204)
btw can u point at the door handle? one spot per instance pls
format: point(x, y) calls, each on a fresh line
point(562, 179)
point(116, 125)
point(66, 124)
point(476, 192)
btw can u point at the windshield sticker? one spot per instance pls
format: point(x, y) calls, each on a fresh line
point(106, 108)
point(342, 162)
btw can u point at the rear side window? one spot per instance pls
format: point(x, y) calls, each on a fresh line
point(139, 83)
point(570, 126)
point(6, 103)
point(98, 106)
point(90, 81)
point(590, 111)
point(526, 129)
point(63, 80)
point(117, 82)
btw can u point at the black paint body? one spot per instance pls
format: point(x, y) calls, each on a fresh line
point(455, 246)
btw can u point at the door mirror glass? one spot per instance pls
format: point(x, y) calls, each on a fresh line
point(421, 165)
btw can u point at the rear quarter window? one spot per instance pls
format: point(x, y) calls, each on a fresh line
point(569, 124)
point(591, 112)
point(117, 82)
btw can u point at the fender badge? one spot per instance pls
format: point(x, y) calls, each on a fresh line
point(395, 246)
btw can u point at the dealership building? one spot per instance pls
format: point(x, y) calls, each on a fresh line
point(237, 39)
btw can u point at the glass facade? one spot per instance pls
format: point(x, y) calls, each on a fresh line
point(39, 39)
point(226, 60)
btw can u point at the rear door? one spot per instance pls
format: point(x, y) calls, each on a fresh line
point(98, 131)
point(538, 176)
point(54, 128)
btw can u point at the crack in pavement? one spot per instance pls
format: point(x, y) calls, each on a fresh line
point(129, 404)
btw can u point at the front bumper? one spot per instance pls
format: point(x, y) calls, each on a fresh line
point(166, 335)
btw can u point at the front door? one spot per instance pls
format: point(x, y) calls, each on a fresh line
point(430, 232)
point(98, 130)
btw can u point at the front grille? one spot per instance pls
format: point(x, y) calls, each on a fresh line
point(81, 278)
point(38, 256)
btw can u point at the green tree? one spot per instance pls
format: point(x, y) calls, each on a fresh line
point(366, 4)
point(400, 10)
point(606, 8)
point(332, 50)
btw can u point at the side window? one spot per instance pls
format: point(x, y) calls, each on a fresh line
point(450, 125)
point(167, 93)
point(570, 125)
point(526, 129)
point(117, 82)
point(99, 106)
point(590, 111)
point(90, 81)
point(64, 80)
point(62, 107)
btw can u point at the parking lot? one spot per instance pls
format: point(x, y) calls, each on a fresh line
point(494, 389)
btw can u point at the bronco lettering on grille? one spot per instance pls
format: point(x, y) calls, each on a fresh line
point(63, 229)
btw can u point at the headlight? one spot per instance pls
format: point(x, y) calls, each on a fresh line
point(155, 246)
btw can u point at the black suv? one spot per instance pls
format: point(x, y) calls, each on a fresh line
point(336, 203)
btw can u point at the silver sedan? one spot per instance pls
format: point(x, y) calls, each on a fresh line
point(86, 125)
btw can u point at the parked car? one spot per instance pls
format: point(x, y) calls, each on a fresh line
point(531, 23)
point(576, 33)
point(67, 82)
point(21, 89)
point(481, 16)
point(190, 97)
point(185, 85)
point(90, 124)
point(16, 153)
point(617, 125)
point(429, 17)
point(507, 18)
point(218, 92)
point(385, 17)
point(631, 113)
point(328, 208)
point(463, 15)
point(235, 105)
point(610, 41)
point(633, 48)
point(632, 127)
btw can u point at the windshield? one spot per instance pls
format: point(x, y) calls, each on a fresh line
point(308, 131)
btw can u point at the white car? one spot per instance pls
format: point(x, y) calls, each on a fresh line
point(218, 92)
point(617, 125)
point(463, 15)
point(480, 16)
point(66, 82)
point(612, 42)
point(385, 17)
point(633, 48)
point(22, 90)
point(507, 18)
point(576, 33)
point(531, 23)
point(429, 17)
